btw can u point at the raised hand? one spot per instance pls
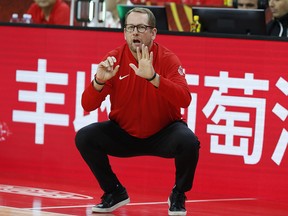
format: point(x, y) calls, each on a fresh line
point(106, 69)
point(145, 63)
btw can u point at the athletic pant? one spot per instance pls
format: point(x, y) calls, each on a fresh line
point(98, 140)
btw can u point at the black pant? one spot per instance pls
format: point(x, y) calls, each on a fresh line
point(98, 140)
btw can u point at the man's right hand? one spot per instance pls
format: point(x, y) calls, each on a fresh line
point(106, 69)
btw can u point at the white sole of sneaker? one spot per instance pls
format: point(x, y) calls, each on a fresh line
point(170, 213)
point(111, 209)
point(176, 213)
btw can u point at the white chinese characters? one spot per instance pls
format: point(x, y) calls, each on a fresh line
point(41, 97)
point(234, 127)
point(236, 109)
point(282, 113)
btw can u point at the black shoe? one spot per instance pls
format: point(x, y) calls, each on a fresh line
point(112, 201)
point(176, 202)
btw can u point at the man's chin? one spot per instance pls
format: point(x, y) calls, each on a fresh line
point(134, 47)
point(137, 45)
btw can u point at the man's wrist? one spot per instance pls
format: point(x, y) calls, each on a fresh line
point(152, 78)
point(98, 81)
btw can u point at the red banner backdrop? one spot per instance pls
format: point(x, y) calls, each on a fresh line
point(239, 110)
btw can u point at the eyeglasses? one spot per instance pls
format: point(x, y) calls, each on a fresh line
point(140, 28)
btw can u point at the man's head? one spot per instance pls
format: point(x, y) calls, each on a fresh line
point(45, 3)
point(247, 4)
point(278, 8)
point(139, 28)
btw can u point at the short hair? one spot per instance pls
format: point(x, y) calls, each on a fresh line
point(151, 17)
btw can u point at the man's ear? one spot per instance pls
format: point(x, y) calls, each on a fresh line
point(154, 33)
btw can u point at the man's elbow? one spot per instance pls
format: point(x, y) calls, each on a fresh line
point(187, 101)
point(87, 107)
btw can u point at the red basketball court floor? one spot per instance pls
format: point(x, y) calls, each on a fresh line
point(24, 195)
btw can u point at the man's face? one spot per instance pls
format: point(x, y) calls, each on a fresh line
point(45, 3)
point(278, 7)
point(135, 39)
point(247, 4)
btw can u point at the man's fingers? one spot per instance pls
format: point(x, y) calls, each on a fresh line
point(108, 63)
point(111, 60)
point(146, 53)
point(143, 51)
point(138, 53)
point(115, 70)
point(151, 57)
point(133, 67)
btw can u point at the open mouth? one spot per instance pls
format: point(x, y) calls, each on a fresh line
point(136, 42)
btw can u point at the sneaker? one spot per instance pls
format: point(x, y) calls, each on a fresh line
point(112, 201)
point(176, 202)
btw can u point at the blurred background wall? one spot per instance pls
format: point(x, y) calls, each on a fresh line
point(8, 7)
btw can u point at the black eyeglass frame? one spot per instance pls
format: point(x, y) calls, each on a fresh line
point(137, 27)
